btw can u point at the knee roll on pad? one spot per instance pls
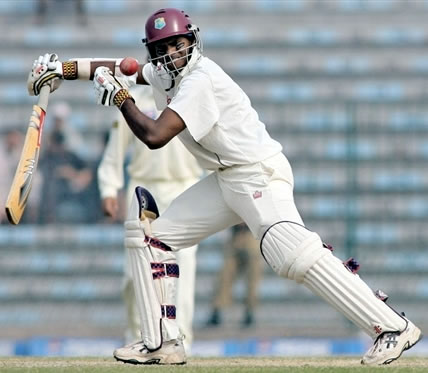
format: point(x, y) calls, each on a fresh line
point(291, 249)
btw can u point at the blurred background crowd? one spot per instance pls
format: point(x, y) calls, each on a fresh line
point(342, 84)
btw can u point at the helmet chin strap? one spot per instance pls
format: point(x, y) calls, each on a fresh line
point(172, 82)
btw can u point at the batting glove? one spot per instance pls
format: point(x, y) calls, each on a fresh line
point(109, 90)
point(47, 70)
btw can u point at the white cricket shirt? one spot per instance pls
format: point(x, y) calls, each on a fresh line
point(223, 129)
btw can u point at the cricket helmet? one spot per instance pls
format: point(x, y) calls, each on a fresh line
point(166, 23)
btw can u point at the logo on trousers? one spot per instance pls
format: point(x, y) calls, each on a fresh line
point(257, 194)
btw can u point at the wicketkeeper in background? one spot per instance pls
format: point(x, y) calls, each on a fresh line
point(166, 172)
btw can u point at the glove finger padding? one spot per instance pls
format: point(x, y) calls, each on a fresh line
point(105, 85)
point(109, 90)
point(46, 70)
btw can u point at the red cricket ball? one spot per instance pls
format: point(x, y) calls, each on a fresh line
point(128, 66)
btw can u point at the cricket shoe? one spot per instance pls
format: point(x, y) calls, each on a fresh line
point(390, 345)
point(171, 352)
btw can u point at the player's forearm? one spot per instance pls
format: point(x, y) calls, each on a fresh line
point(84, 68)
point(141, 125)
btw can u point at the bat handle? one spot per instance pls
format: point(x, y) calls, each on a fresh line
point(44, 97)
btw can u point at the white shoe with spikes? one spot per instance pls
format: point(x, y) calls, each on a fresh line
point(390, 345)
point(171, 352)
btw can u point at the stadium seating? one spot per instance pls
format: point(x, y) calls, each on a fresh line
point(348, 101)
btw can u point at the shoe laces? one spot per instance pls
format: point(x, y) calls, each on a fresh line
point(388, 340)
point(140, 346)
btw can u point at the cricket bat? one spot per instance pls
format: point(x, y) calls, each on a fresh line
point(23, 180)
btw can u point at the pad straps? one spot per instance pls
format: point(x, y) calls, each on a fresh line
point(156, 243)
point(165, 270)
point(168, 311)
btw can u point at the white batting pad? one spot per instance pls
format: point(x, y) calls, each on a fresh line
point(154, 273)
point(351, 296)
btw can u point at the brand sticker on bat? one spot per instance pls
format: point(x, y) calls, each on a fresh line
point(26, 185)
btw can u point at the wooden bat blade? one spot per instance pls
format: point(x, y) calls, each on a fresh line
point(23, 180)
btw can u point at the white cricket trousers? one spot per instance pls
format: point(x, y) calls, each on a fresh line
point(259, 194)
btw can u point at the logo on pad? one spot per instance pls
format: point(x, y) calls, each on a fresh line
point(377, 329)
point(160, 23)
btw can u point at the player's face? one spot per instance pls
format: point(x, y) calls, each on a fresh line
point(174, 50)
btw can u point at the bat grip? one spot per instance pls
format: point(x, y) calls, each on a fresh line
point(44, 97)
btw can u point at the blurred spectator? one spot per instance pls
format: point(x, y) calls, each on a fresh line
point(243, 256)
point(60, 7)
point(61, 112)
point(66, 181)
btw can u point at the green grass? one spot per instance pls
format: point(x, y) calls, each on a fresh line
point(208, 365)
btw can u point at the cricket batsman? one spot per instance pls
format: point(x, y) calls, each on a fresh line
point(251, 182)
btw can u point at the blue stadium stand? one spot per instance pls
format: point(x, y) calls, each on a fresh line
point(346, 99)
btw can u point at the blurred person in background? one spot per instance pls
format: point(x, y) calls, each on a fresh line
point(61, 114)
point(66, 181)
point(252, 182)
point(241, 257)
point(84, 149)
point(166, 173)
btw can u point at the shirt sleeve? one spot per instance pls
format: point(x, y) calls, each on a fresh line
point(111, 170)
point(195, 103)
